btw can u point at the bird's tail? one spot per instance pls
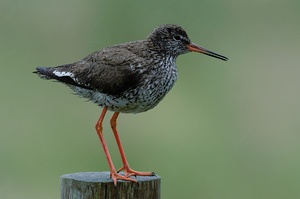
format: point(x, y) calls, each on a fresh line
point(56, 73)
point(44, 72)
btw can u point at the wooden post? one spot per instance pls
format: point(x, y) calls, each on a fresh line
point(98, 185)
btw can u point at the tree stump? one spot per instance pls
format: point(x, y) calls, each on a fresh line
point(98, 185)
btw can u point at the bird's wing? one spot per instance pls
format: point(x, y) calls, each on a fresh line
point(108, 71)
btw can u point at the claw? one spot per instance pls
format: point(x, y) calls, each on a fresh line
point(121, 169)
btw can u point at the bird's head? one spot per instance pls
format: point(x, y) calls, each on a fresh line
point(173, 40)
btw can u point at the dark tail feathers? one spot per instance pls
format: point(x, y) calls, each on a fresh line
point(44, 72)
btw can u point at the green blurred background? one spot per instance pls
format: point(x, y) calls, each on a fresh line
point(226, 130)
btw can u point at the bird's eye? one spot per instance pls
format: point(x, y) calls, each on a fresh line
point(177, 37)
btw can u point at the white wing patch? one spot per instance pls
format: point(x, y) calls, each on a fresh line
point(67, 74)
point(63, 73)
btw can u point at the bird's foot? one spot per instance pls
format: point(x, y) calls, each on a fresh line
point(116, 176)
point(130, 172)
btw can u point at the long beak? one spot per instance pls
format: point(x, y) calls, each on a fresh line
point(195, 48)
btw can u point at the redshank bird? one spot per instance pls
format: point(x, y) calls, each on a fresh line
point(127, 78)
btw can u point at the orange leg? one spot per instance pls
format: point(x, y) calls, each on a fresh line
point(127, 170)
point(113, 173)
